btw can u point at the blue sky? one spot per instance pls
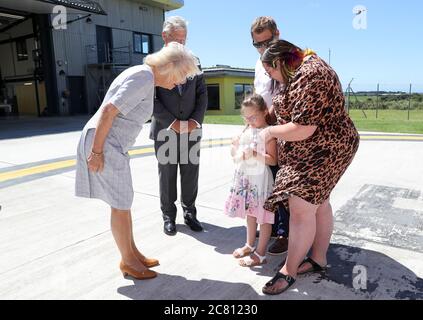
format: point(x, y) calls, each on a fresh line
point(389, 51)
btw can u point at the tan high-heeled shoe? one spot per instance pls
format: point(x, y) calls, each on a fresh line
point(128, 271)
point(148, 262)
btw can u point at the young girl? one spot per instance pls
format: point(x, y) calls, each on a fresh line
point(253, 181)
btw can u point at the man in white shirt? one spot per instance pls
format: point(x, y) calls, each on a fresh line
point(264, 30)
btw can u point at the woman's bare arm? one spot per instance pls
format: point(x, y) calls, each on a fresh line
point(96, 158)
point(290, 132)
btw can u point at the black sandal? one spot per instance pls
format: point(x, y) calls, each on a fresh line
point(315, 267)
point(290, 280)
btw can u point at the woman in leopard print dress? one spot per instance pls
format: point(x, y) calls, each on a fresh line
point(317, 142)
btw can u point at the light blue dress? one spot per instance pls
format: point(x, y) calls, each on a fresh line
point(132, 93)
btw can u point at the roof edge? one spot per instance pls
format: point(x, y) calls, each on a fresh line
point(87, 5)
point(167, 5)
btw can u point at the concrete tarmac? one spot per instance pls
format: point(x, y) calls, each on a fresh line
point(56, 246)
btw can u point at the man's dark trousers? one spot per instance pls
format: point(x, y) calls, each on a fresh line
point(187, 155)
point(281, 225)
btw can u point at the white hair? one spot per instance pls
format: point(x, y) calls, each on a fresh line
point(174, 23)
point(174, 61)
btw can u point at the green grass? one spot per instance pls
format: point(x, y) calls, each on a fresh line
point(394, 121)
point(389, 121)
point(235, 120)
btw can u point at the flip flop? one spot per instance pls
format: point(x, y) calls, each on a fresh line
point(315, 267)
point(290, 280)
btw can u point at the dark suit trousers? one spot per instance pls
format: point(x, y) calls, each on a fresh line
point(168, 174)
point(281, 225)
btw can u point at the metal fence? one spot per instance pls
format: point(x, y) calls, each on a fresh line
point(384, 98)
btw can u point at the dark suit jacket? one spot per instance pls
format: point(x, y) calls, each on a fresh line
point(170, 105)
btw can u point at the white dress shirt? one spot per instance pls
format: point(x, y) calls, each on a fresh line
point(263, 84)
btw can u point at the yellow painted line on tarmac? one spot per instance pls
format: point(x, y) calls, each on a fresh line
point(21, 173)
point(217, 142)
point(137, 152)
point(36, 170)
point(392, 138)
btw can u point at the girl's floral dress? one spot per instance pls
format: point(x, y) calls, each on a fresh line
point(252, 182)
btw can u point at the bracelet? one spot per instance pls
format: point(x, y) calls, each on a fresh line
point(97, 154)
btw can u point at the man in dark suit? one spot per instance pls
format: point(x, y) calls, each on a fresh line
point(176, 131)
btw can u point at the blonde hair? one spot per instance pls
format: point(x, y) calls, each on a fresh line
point(174, 61)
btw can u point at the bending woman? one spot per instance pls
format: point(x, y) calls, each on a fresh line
point(103, 170)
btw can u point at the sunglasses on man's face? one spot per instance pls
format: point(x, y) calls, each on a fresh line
point(262, 44)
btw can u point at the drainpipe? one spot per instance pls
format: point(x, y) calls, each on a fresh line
point(37, 94)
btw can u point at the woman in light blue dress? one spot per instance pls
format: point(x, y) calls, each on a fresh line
point(103, 170)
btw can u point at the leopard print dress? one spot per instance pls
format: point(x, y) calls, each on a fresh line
point(310, 169)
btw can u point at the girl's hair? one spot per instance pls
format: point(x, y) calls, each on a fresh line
point(174, 61)
point(289, 55)
point(174, 23)
point(255, 101)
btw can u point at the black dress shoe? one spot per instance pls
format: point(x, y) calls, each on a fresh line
point(169, 228)
point(192, 222)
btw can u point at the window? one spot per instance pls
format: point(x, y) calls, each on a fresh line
point(242, 91)
point(213, 93)
point(21, 50)
point(142, 43)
